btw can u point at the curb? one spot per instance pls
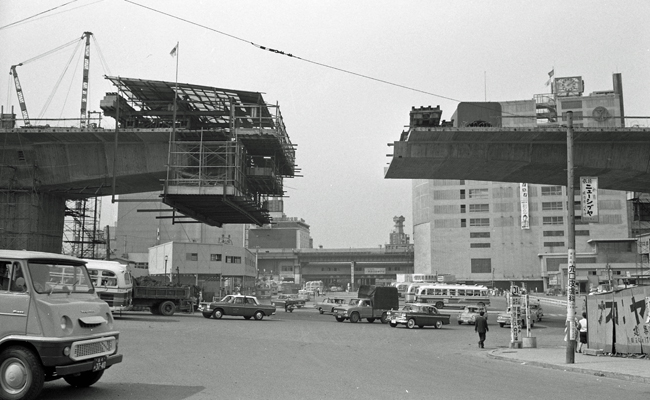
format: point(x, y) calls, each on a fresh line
point(586, 371)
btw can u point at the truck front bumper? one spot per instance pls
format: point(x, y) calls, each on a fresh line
point(86, 365)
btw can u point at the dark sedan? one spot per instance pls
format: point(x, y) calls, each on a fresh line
point(419, 315)
point(238, 306)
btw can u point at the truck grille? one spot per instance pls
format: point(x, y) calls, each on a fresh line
point(92, 348)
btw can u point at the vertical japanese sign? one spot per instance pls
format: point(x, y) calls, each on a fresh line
point(523, 201)
point(589, 198)
point(352, 265)
point(571, 296)
point(515, 317)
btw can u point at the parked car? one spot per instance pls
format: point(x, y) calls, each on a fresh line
point(238, 306)
point(328, 304)
point(420, 315)
point(469, 314)
point(288, 299)
point(504, 319)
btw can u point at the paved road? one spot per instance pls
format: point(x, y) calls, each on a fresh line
point(305, 355)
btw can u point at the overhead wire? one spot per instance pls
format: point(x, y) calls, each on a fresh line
point(280, 52)
point(36, 15)
point(58, 82)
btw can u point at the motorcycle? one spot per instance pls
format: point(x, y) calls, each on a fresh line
point(289, 307)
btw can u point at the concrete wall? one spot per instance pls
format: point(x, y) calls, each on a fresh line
point(31, 221)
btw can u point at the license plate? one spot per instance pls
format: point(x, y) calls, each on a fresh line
point(99, 363)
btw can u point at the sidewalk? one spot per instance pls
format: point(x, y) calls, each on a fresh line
point(631, 369)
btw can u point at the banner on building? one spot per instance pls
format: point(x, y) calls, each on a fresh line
point(374, 271)
point(589, 198)
point(523, 200)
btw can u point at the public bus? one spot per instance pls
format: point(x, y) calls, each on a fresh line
point(450, 295)
point(411, 293)
point(112, 283)
point(402, 287)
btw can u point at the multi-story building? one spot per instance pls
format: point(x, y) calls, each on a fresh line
point(496, 233)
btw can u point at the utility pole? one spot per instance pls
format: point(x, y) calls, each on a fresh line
point(571, 265)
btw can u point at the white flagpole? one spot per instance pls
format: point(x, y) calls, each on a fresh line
point(175, 94)
point(172, 134)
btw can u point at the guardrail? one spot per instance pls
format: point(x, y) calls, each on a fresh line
point(549, 300)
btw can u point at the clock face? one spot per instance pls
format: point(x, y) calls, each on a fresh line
point(570, 85)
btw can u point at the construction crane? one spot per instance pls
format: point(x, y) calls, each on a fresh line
point(19, 93)
point(84, 88)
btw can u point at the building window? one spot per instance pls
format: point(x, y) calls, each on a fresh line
point(479, 208)
point(233, 260)
point(592, 272)
point(551, 190)
point(553, 233)
point(192, 256)
point(463, 223)
point(479, 222)
point(479, 245)
point(552, 220)
point(462, 194)
point(475, 235)
point(478, 193)
point(552, 206)
point(582, 233)
point(462, 182)
point(481, 265)
point(553, 244)
point(463, 208)
point(215, 257)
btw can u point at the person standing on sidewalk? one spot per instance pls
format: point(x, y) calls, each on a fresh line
point(582, 326)
point(481, 326)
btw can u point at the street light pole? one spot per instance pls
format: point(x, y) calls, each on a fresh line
point(571, 264)
point(166, 267)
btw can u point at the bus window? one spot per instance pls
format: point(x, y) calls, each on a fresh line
point(461, 292)
point(108, 278)
point(452, 292)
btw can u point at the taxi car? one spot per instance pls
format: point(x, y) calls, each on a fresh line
point(504, 319)
point(469, 314)
point(420, 315)
point(288, 299)
point(328, 304)
point(238, 306)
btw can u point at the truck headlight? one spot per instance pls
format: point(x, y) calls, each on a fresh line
point(66, 324)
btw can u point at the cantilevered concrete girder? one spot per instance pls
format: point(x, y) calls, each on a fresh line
point(619, 157)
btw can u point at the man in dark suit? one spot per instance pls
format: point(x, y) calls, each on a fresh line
point(481, 326)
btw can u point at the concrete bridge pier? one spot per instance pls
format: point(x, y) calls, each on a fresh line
point(31, 220)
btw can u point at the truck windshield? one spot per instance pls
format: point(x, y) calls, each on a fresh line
point(59, 277)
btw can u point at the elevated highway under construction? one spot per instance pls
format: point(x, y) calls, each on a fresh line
point(216, 155)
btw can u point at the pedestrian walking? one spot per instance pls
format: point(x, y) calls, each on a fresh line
point(481, 326)
point(582, 326)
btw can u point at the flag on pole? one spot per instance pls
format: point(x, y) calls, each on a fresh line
point(174, 50)
point(550, 76)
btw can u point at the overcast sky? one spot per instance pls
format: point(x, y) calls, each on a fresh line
point(448, 51)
